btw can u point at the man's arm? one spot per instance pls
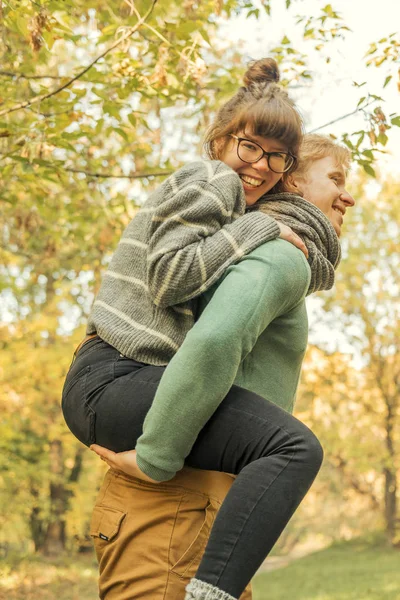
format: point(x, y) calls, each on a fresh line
point(263, 285)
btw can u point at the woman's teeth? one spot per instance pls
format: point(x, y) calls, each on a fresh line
point(250, 181)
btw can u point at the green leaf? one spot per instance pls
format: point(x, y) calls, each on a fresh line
point(368, 153)
point(361, 100)
point(132, 119)
point(395, 121)
point(368, 169)
point(388, 78)
point(122, 133)
point(382, 139)
point(285, 40)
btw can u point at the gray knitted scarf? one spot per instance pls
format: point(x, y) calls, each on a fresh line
point(310, 223)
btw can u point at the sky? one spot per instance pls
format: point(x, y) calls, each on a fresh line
point(332, 94)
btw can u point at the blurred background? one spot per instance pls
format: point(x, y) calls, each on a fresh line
point(99, 101)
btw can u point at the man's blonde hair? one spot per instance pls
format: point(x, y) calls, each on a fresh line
point(314, 147)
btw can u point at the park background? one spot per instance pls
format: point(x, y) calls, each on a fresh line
point(99, 102)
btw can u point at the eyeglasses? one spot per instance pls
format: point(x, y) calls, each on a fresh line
point(251, 152)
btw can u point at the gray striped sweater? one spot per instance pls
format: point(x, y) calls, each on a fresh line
point(178, 244)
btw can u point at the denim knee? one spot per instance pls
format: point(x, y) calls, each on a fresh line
point(314, 453)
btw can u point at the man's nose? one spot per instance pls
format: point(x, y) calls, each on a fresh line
point(347, 198)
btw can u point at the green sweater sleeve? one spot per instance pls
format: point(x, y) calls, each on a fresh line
point(263, 285)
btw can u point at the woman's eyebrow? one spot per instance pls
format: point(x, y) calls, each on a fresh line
point(253, 139)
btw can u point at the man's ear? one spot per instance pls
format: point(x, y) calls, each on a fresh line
point(292, 185)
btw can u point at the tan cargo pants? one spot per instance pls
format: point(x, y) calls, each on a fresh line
point(149, 538)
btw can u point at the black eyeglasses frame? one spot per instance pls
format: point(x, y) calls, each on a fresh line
point(264, 153)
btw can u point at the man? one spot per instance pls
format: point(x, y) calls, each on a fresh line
point(150, 537)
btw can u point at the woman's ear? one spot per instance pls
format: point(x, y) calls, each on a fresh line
point(220, 146)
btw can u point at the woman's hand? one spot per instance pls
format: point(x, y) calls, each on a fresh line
point(290, 236)
point(121, 461)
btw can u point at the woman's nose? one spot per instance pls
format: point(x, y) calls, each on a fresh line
point(262, 164)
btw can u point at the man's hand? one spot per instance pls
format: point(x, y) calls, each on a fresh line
point(290, 236)
point(121, 461)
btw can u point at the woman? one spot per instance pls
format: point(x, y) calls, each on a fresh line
point(186, 235)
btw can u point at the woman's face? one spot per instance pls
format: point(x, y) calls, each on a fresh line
point(257, 179)
point(324, 184)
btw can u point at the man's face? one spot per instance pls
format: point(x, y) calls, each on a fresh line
point(324, 185)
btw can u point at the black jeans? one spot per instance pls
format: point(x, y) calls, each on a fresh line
point(275, 457)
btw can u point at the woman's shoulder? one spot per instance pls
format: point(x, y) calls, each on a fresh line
point(209, 171)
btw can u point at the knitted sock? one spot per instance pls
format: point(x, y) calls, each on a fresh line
point(200, 590)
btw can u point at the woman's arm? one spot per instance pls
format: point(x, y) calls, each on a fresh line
point(265, 284)
point(199, 230)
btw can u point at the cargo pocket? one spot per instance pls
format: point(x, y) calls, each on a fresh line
point(106, 523)
point(191, 556)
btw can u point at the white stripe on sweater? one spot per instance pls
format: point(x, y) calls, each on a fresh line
point(238, 250)
point(224, 174)
point(167, 279)
point(133, 242)
point(127, 278)
point(201, 264)
point(202, 192)
point(210, 170)
point(197, 188)
point(136, 325)
point(173, 184)
point(179, 219)
point(183, 311)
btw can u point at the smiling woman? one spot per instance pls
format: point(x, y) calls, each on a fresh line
point(259, 169)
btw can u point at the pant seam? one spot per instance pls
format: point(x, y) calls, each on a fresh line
point(169, 546)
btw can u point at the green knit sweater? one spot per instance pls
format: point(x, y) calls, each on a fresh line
point(253, 333)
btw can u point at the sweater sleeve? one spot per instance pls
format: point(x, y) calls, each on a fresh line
point(263, 285)
point(199, 231)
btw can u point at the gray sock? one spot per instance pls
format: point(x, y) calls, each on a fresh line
point(200, 590)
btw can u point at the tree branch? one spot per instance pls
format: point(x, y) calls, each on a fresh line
point(110, 175)
point(23, 76)
point(42, 97)
point(342, 117)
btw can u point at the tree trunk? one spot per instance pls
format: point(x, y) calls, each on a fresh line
point(54, 541)
point(36, 522)
point(392, 524)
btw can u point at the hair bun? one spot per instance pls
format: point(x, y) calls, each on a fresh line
point(262, 71)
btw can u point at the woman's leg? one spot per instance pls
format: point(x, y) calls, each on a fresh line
point(274, 456)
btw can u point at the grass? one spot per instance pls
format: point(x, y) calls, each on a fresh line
point(37, 578)
point(365, 569)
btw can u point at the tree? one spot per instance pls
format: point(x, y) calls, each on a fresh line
point(89, 99)
point(357, 410)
